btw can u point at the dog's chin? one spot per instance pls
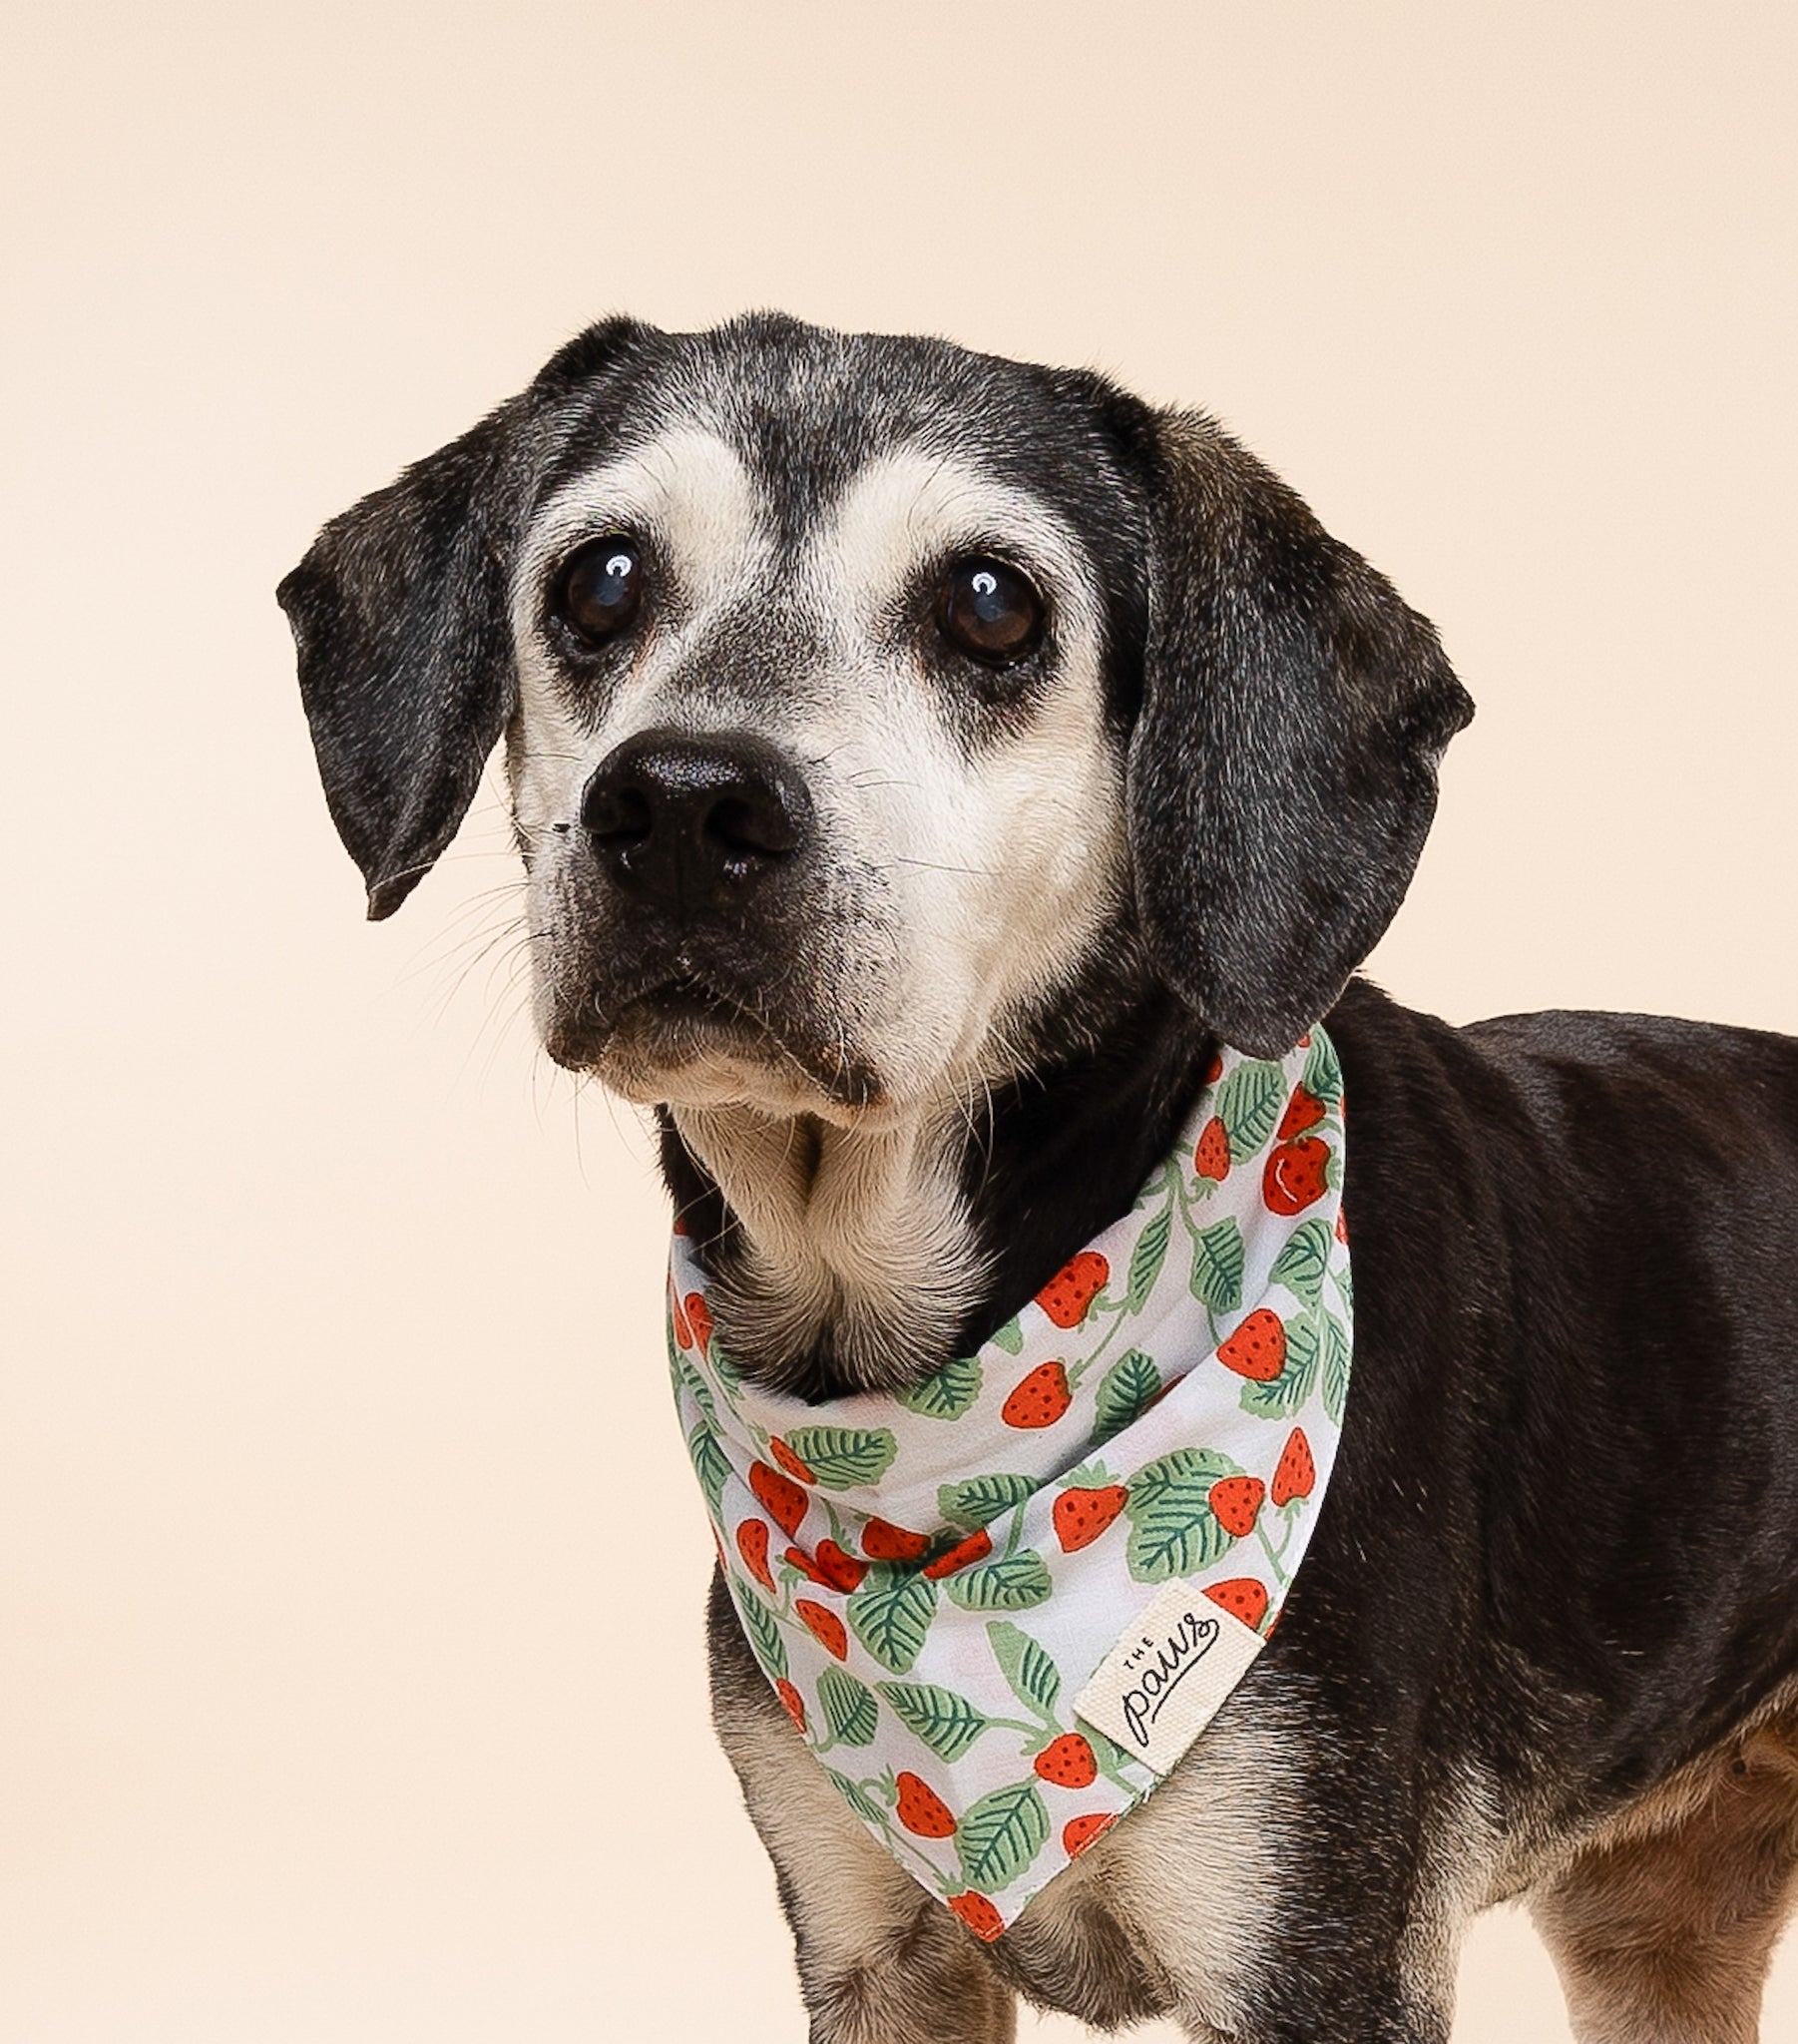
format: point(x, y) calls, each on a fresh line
point(686, 1045)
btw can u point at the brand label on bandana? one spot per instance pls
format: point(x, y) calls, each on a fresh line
point(1167, 1677)
point(999, 1606)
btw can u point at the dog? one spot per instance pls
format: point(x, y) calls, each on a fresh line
point(922, 763)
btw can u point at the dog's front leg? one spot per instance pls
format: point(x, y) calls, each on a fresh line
point(880, 1960)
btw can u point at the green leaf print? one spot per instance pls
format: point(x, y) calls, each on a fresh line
point(1147, 1258)
point(1218, 1266)
point(697, 1388)
point(1174, 1531)
point(947, 1724)
point(1010, 1337)
point(947, 1395)
point(1035, 1680)
point(890, 1615)
point(849, 1708)
point(1323, 1074)
point(840, 1456)
point(1011, 1582)
point(1124, 1390)
point(981, 1499)
point(1001, 1835)
point(1249, 1101)
point(1301, 1264)
point(859, 1798)
point(709, 1463)
point(1285, 1393)
point(1335, 1367)
point(760, 1628)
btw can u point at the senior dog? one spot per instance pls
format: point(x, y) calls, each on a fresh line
point(923, 764)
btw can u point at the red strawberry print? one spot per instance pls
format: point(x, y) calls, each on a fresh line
point(698, 1319)
point(830, 1566)
point(978, 1915)
point(1303, 1111)
point(789, 1461)
point(975, 1548)
point(825, 1626)
point(1068, 1761)
point(844, 1570)
point(1079, 1831)
point(684, 1332)
point(922, 1810)
point(781, 1498)
point(1236, 1501)
point(1067, 1295)
point(1212, 1157)
point(882, 1541)
point(1041, 1400)
point(1342, 1227)
point(1298, 1470)
point(790, 1700)
point(1258, 1349)
point(752, 1545)
point(1214, 1070)
point(1242, 1597)
point(1294, 1175)
point(1082, 1514)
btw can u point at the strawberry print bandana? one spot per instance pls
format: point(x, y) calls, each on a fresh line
point(1000, 1605)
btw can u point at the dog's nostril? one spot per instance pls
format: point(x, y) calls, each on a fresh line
point(618, 815)
point(751, 828)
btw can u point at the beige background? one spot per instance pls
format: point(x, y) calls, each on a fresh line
point(333, 1402)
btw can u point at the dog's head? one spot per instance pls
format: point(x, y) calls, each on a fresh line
point(858, 692)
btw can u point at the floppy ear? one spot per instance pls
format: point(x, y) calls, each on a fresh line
point(400, 612)
point(1282, 771)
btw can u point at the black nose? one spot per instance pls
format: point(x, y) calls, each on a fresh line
point(691, 822)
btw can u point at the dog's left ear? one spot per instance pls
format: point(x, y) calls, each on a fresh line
point(1282, 771)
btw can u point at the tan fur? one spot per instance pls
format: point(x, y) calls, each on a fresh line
point(1663, 1927)
point(880, 1959)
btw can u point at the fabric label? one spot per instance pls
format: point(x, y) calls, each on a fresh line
point(1167, 1677)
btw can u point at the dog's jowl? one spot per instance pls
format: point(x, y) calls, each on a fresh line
point(1218, 1478)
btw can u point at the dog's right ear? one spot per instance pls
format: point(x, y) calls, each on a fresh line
point(401, 616)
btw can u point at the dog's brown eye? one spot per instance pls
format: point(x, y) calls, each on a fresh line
point(989, 611)
point(600, 586)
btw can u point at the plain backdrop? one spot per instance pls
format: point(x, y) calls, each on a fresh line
point(350, 1568)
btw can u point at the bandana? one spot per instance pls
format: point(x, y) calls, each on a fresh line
point(1000, 1605)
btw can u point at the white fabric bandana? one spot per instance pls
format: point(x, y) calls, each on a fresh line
point(1001, 1605)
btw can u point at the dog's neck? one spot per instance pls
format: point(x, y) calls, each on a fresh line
point(847, 1260)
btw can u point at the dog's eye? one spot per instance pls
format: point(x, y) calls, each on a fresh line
point(600, 586)
point(989, 611)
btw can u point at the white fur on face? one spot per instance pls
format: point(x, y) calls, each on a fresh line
point(987, 868)
point(999, 861)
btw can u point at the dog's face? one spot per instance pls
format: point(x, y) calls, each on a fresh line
point(814, 761)
point(858, 693)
